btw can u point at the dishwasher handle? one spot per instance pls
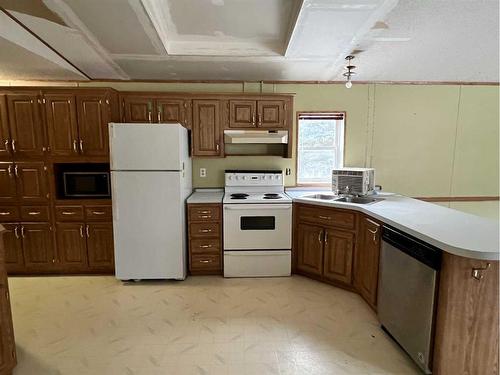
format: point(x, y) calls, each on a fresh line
point(421, 251)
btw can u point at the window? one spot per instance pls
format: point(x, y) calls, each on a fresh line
point(320, 146)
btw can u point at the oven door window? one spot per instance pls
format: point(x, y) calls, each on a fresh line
point(257, 223)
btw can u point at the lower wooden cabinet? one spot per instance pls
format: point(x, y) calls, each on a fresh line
point(325, 251)
point(72, 245)
point(367, 259)
point(205, 240)
point(7, 344)
point(100, 245)
point(14, 257)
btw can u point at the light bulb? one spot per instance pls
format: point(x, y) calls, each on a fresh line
point(348, 84)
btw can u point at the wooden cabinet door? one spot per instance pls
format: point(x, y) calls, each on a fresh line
point(367, 260)
point(170, 111)
point(93, 118)
point(271, 114)
point(242, 113)
point(337, 263)
point(71, 245)
point(38, 245)
point(14, 257)
point(60, 113)
point(26, 128)
point(138, 109)
point(100, 245)
point(206, 131)
point(310, 249)
point(4, 129)
point(8, 189)
point(31, 181)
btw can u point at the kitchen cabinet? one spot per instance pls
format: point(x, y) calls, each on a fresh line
point(155, 109)
point(205, 240)
point(324, 244)
point(264, 113)
point(8, 358)
point(25, 125)
point(367, 259)
point(13, 256)
point(4, 129)
point(467, 320)
point(62, 127)
point(94, 114)
point(23, 181)
point(206, 132)
point(38, 245)
point(85, 238)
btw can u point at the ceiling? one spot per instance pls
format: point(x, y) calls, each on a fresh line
point(249, 40)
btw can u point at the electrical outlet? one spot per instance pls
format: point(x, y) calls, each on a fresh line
point(203, 172)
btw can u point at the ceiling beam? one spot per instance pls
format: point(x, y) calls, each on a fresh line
point(147, 25)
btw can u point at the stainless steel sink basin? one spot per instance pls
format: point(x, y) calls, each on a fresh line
point(359, 200)
point(324, 197)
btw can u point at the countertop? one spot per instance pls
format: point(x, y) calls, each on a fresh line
point(206, 196)
point(455, 232)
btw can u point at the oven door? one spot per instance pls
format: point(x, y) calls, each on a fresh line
point(257, 226)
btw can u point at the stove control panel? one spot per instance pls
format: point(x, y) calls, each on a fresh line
point(251, 178)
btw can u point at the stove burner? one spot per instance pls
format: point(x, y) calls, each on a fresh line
point(239, 196)
point(272, 196)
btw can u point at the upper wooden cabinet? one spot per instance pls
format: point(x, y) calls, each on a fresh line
point(62, 127)
point(94, 114)
point(163, 109)
point(25, 125)
point(23, 181)
point(5, 139)
point(263, 113)
point(206, 130)
point(367, 259)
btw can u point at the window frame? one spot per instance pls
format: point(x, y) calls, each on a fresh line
point(312, 113)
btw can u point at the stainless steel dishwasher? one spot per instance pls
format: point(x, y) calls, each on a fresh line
point(407, 292)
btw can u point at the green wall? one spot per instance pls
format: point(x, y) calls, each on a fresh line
point(423, 140)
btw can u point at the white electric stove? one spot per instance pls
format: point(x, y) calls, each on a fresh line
point(257, 224)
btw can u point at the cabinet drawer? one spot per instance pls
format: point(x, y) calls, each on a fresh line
point(35, 213)
point(205, 246)
point(204, 213)
point(98, 213)
point(204, 229)
point(205, 262)
point(9, 213)
point(69, 213)
point(326, 216)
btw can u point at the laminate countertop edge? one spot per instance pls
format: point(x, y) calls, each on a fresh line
point(452, 231)
point(206, 196)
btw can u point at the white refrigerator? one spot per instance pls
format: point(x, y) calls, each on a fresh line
point(150, 181)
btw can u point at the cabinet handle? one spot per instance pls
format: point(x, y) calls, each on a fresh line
point(324, 217)
point(68, 213)
point(22, 232)
point(205, 216)
point(203, 212)
point(16, 171)
point(477, 272)
point(320, 234)
point(34, 213)
point(81, 231)
point(326, 237)
point(87, 231)
point(205, 261)
point(149, 116)
point(13, 145)
point(7, 145)
point(81, 146)
point(374, 234)
point(205, 230)
point(16, 232)
point(259, 116)
point(9, 169)
point(253, 119)
point(5, 213)
point(217, 147)
point(159, 117)
point(205, 246)
point(98, 212)
point(75, 146)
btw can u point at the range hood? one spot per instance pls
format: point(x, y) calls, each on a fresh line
point(256, 136)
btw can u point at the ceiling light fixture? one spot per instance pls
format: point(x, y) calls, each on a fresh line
point(349, 73)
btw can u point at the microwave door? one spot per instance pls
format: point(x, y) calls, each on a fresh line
point(86, 185)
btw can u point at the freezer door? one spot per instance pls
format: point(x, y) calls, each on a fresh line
point(149, 225)
point(142, 147)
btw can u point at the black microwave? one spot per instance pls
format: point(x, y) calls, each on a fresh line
point(85, 181)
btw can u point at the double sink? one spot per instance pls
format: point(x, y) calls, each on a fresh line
point(346, 199)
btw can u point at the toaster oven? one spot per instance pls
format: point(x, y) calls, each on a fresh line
point(359, 181)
